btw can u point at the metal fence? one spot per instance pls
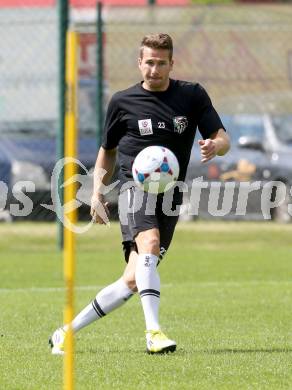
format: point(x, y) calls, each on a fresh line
point(242, 55)
point(28, 107)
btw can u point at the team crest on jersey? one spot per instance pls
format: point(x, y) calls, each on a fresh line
point(145, 126)
point(180, 123)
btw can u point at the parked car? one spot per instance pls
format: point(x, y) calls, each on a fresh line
point(261, 150)
point(28, 153)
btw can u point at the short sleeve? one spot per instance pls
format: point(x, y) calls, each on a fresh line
point(208, 120)
point(112, 131)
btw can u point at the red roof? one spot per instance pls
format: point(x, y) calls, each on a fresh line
point(85, 3)
point(27, 3)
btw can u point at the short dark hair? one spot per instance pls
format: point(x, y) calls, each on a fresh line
point(157, 41)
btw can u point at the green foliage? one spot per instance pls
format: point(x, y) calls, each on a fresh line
point(226, 299)
point(210, 2)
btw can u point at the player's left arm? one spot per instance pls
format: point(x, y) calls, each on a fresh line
point(217, 144)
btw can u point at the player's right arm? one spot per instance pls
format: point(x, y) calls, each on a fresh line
point(103, 171)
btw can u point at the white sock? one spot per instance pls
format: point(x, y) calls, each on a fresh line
point(148, 284)
point(108, 299)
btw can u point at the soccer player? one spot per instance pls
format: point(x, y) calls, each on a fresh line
point(156, 111)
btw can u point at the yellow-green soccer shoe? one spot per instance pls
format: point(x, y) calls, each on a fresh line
point(158, 342)
point(57, 342)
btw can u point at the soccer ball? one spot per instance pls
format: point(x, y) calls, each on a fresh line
point(155, 169)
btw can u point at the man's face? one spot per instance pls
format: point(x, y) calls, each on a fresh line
point(155, 66)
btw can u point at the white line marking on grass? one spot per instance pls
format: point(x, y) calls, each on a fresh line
point(242, 283)
point(48, 289)
point(168, 285)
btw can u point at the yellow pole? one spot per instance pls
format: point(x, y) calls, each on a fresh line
point(69, 196)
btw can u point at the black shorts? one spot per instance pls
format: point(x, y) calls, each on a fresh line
point(140, 211)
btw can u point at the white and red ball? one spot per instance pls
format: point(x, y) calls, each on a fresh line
point(155, 169)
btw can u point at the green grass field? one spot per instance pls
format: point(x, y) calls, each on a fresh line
point(226, 299)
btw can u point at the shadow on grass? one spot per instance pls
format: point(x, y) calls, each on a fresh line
point(249, 350)
point(120, 351)
point(181, 351)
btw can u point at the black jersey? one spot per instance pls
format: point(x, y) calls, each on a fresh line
point(137, 118)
